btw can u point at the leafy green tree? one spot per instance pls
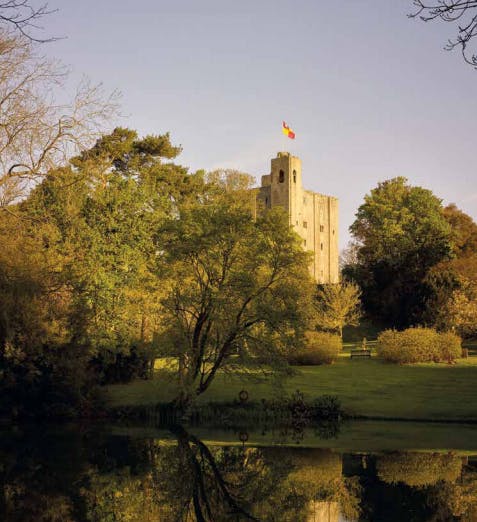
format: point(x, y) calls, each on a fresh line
point(452, 298)
point(338, 305)
point(463, 231)
point(460, 312)
point(401, 234)
point(106, 209)
point(238, 287)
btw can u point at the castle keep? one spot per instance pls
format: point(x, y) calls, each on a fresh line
point(314, 216)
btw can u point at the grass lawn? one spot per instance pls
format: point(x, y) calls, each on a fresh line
point(355, 436)
point(366, 387)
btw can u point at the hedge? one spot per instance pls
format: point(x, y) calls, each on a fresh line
point(419, 345)
point(320, 348)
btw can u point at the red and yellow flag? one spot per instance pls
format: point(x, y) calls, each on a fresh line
point(287, 131)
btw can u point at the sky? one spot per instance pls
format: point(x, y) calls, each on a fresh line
point(370, 93)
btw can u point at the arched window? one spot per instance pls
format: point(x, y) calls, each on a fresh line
point(321, 246)
point(281, 177)
point(294, 176)
point(266, 202)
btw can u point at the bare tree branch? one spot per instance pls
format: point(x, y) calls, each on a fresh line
point(462, 12)
point(37, 132)
point(24, 18)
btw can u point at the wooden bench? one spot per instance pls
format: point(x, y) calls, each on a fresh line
point(360, 353)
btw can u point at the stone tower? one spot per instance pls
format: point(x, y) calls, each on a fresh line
point(314, 216)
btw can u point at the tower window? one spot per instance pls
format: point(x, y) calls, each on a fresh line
point(304, 242)
point(305, 224)
point(281, 177)
point(333, 232)
point(266, 201)
point(321, 246)
point(294, 176)
point(322, 228)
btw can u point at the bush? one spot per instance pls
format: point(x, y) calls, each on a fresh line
point(450, 346)
point(418, 345)
point(111, 367)
point(320, 348)
point(418, 469)
point(327, 407)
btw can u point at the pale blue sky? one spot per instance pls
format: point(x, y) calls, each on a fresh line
point(370, 93)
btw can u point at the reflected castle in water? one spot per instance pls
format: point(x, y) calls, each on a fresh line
point(102, 474)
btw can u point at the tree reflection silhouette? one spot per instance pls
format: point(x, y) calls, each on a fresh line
point(85, 477)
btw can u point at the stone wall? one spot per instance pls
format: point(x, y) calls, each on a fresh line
point(314, 216)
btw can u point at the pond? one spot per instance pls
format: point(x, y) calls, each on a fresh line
point(366, 471)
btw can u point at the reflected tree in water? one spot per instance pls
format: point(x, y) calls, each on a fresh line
point(82, 477)
point(419, 469)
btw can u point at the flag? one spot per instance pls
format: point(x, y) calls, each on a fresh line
point(287, 131)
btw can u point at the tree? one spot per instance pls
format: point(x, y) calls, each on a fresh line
point(23, 17)
point(401, 234)
point(461, 12)
point(460, 312)
point(338, 305)
point(453, 282)
point(418, 469)
point(37, 133)
point(106, 208)
point(238, 287)
point(463, 230)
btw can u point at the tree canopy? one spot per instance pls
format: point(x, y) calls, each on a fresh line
point(239, 288)
point(401, 233)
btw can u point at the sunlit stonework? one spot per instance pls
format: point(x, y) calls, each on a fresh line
point(314, 216)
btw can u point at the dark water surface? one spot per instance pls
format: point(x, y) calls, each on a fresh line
point(367, 472)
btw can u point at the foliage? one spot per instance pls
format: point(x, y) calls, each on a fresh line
point(418, 345)
point(451, 284)
point(461, 310)
point(401, 235)
point(419, 469)
point(41, 372)
point(338, 305)
point(107, 207)
point(319, 348)
point(78, 271)
point(463, 231)
point(238, 287)
point(328, 407)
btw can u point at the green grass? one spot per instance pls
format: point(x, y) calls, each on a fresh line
point(356, 436)
point(366, 387)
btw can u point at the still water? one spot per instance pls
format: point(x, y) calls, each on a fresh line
point(123, 474)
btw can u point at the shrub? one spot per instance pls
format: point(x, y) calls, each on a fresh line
point(418, 469)
point(450, 346)
point(418, 345)
point(327, 407)
point(320, 348)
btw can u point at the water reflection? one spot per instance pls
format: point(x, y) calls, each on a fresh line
point(90, 476)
